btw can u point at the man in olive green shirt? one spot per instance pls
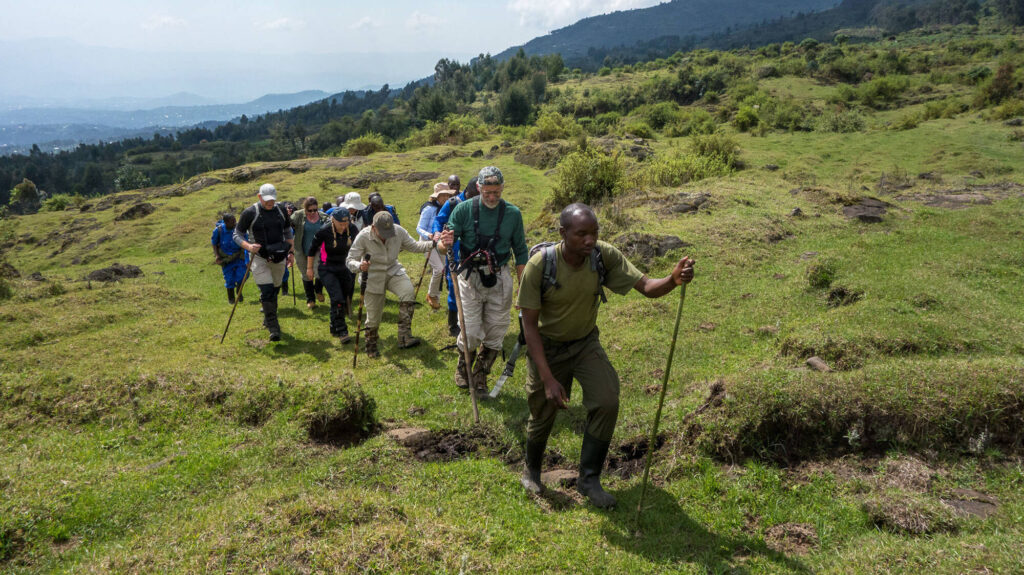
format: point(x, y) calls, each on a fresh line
point(560, 328)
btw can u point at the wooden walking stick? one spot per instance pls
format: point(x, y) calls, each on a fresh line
point(465, 337)
point(294, 297)
point(245, 277)
point(661, 403)
point(426, 262)
point(359, 317)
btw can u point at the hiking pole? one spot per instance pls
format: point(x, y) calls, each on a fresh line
point(359, 316)
point(294, 297)
point(245, 277)
point(465, 339)
point(510, 366)
point(661, 403)
point(426, 262)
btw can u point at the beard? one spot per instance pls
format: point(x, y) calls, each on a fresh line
point(489, 203)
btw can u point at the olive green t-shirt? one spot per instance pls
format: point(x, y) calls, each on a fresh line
point(569, 312)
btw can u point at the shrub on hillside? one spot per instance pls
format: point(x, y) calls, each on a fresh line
point(6, 292)
point(660, 114)
point(882, 91)
point(454, 130)
point(640, 130)
point(1010, 109)
point(998, 88)
point(745, 118)
point(553, 126)
point(56, 203)
point(587, 176)
point(947, 108)
point(691, 122)
point(680, 169)
point(840, 121)
point(717, 146)
point(364, 145)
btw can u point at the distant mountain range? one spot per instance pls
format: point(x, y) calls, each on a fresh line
point(66, 127)
point(682, 18)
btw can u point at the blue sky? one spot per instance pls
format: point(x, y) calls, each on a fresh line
point(65, 52)
point(312, 26)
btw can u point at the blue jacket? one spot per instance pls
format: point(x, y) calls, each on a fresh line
point(222, 238)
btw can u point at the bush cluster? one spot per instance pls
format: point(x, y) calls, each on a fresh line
point(587, 176)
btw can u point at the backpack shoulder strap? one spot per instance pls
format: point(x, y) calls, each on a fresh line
point(597, 265)
point(550, 268)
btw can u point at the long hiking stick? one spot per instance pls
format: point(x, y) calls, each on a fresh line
point(294, 297)
point(426, 262)
point(661, 403)
point(359, 317)
point(465, 337)
point(245, 277)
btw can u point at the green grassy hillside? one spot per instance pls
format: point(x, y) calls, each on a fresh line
point(134, 442)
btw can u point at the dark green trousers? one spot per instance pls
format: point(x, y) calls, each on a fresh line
point(585, 361)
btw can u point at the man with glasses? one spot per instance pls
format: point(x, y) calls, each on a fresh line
point(490, 232)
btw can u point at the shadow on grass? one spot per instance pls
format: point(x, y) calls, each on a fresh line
point(427, 354)
point(669, 536)
point(321, 349)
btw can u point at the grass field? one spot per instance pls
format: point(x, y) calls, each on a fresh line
point(132, 441)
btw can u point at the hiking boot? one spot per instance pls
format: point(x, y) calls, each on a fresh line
point(371, 342)
point(453, 323)
point(592, 458)
point(482, 368)
point(433, 302)
point(310, 304)
point(531, 470)
point(231, 296)
point(344, 337)
point(460, 370)
point(270, 320)
point(320, 297)
point(405, 337)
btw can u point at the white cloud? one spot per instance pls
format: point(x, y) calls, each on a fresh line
point(163, 21)
point(418, 20)
point(558, 13)
point(364, 23)
point(281, 24)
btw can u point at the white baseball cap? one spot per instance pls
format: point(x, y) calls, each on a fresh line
point(268, 192)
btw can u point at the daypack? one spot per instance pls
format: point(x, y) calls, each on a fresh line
point(551, 268)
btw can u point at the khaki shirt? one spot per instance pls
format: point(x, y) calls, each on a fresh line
point(383, 256)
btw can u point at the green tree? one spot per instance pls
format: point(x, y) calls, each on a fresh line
point(130, 178)
point(92, 180)
point(515, 107)
point(25, 198)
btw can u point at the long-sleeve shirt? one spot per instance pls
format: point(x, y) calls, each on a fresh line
point(425, 225)
point(268, 226)
point(383, 256)
point(336, 246)
point(511, 236)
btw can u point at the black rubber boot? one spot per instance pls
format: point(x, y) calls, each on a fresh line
point(231, 296)
point(453, 323)
point(592, 458)
point(531, 471)
point(307, 286)
point(239, 296)
point(270, 320)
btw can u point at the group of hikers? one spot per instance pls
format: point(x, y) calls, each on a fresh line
point(471, 237)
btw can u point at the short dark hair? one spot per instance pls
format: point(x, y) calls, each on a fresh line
point(570, 211)
point(227, 216)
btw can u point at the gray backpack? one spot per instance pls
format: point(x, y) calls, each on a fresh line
point(551, 270)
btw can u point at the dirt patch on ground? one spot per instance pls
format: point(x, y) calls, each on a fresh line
point(448, 444)
point(542, 156)
point(841, 295)
point(627, 459)
point(646, 247)
point(447, 155)
point(683, 203)
point(137, 211)
point(912, 515)
point(8, 272)
point(968, 502)
point(115, 272)
point(118, 199)
point(249, 173)
point(560, 477)
point(342, 430)
point(958, 199)
point(364, 181)
point(792, 538)
point(907, 473)
point(867, 210)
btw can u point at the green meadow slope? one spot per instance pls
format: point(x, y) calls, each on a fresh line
point(132, 441)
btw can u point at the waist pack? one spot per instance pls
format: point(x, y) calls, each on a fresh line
point(276, 252)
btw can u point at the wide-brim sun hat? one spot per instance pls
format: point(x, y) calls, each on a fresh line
point(355, 201)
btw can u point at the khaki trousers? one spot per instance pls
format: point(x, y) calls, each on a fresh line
point(485, 310)
point(399, 285)
point(264, 272)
